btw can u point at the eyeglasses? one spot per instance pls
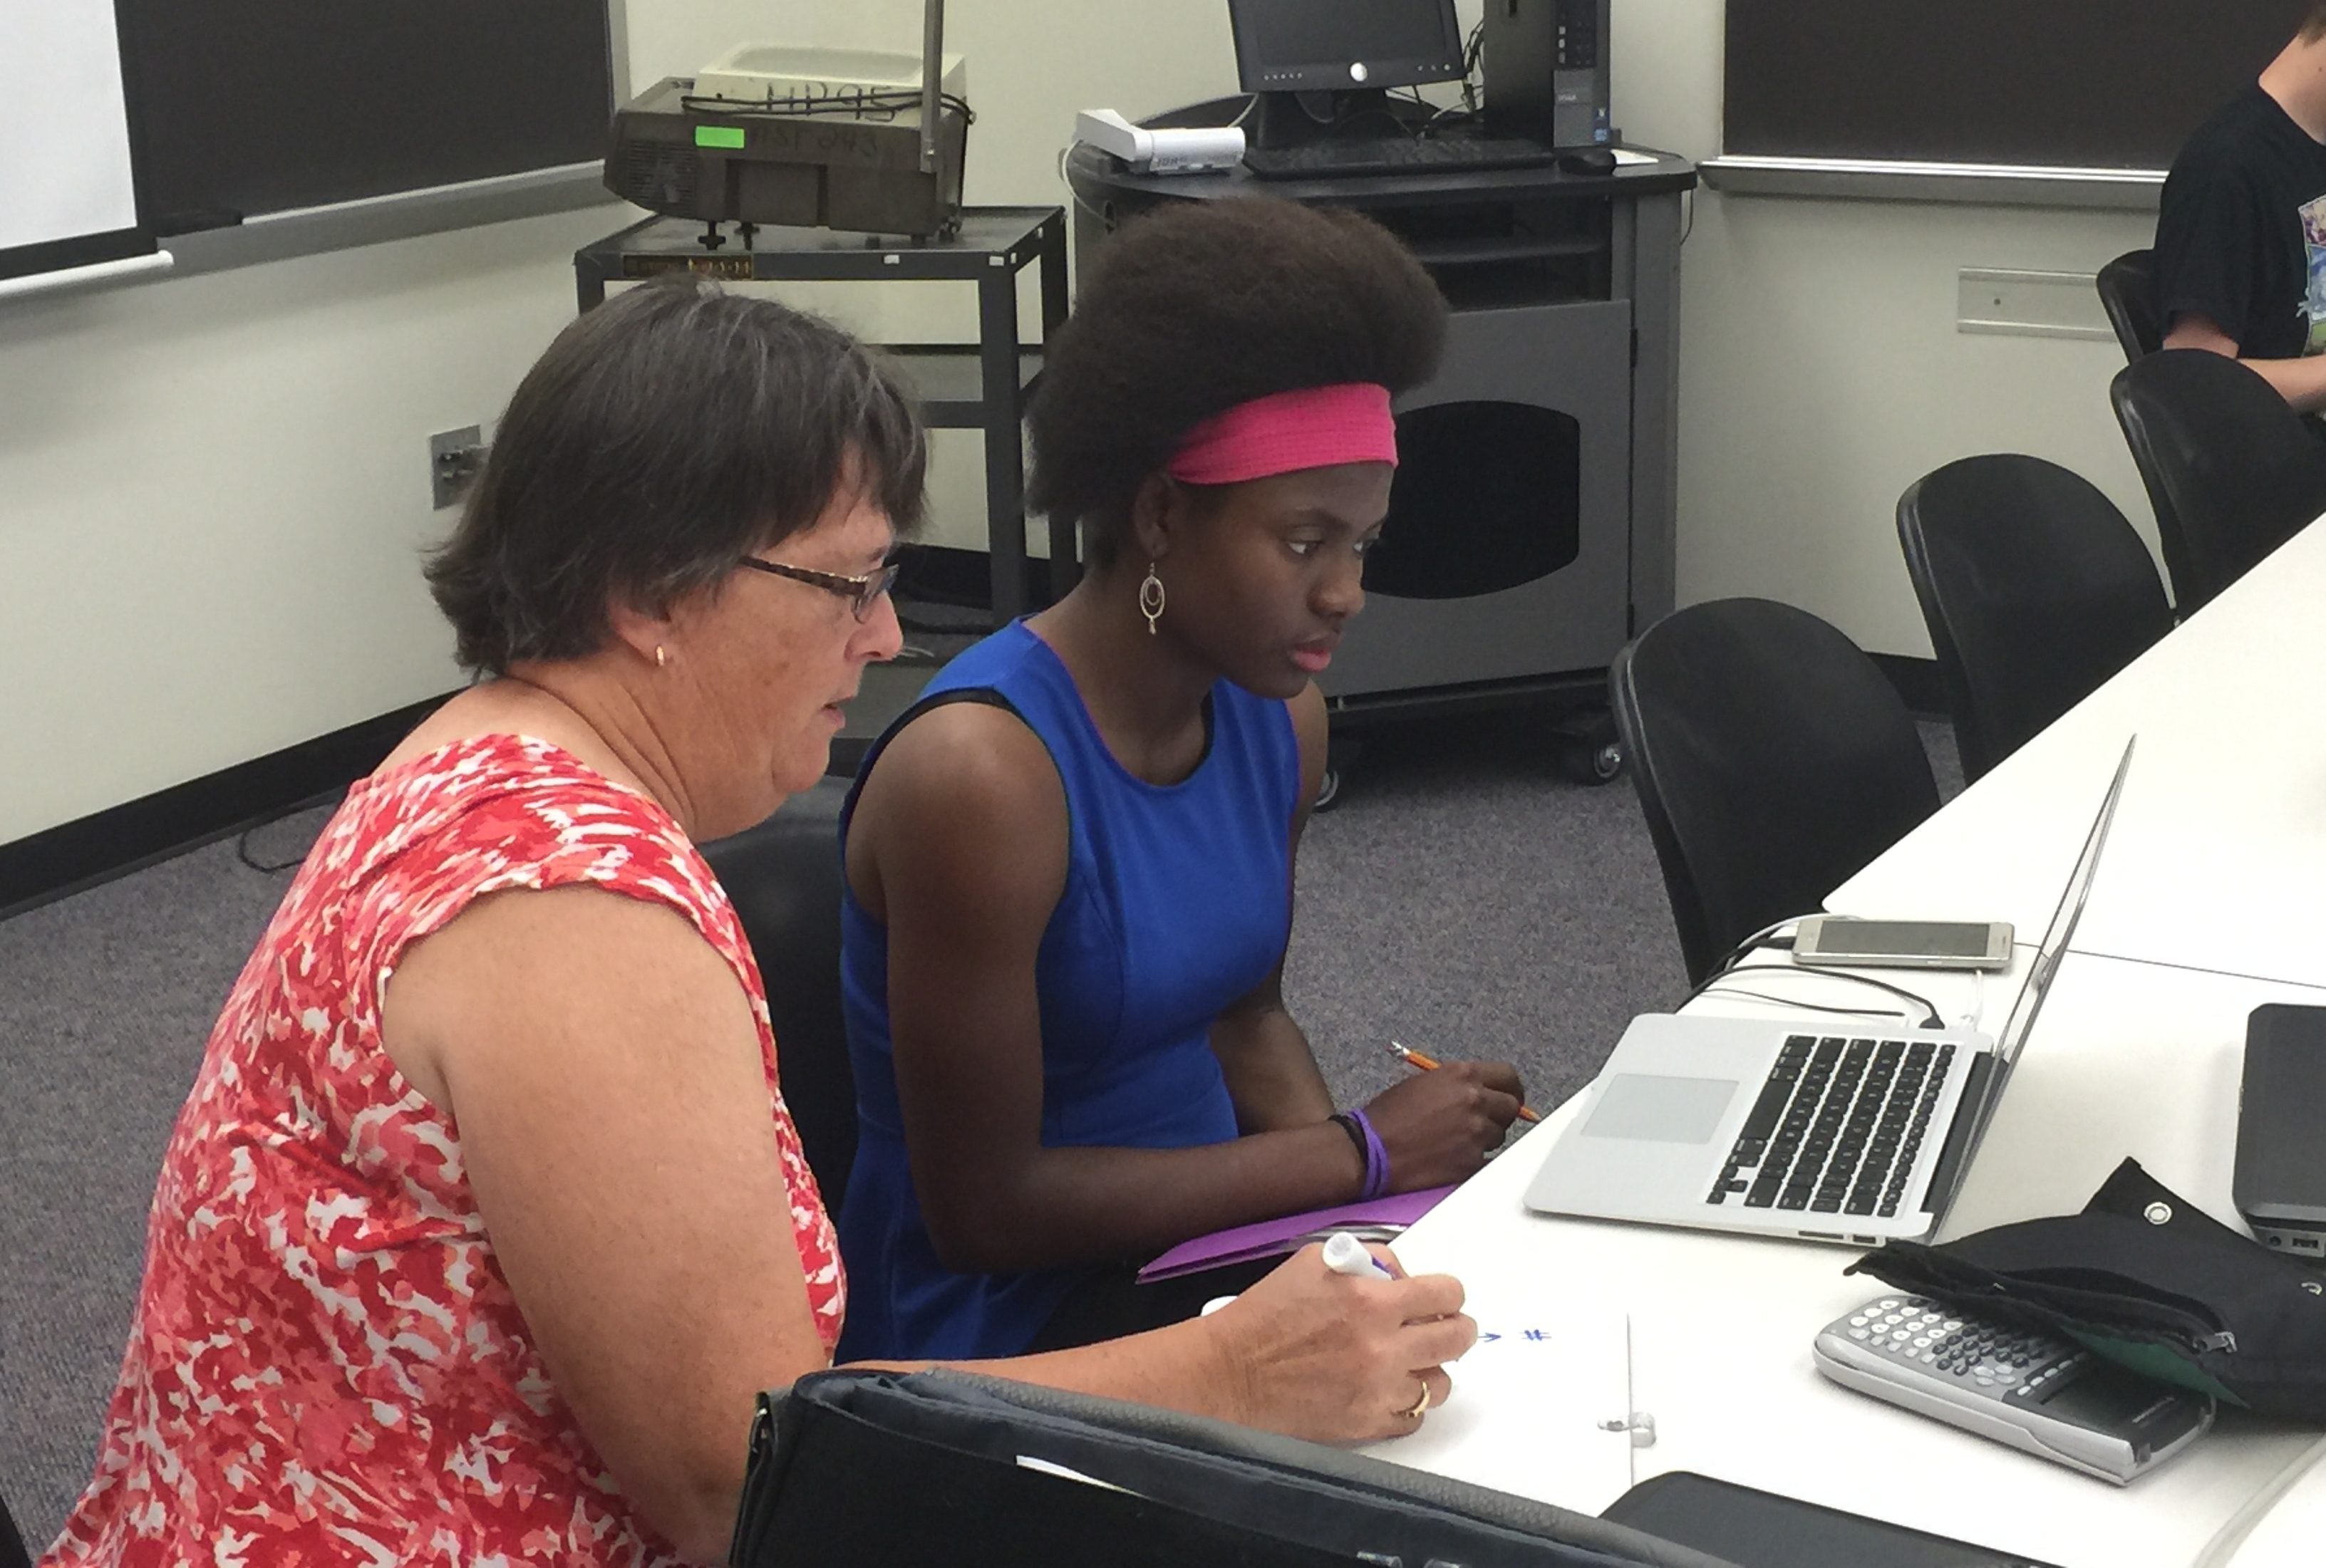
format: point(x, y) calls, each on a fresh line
point(861, 592)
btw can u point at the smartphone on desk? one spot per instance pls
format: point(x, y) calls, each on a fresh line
point(1757, 1529)
point(1839, 942)
point(2017, 1387)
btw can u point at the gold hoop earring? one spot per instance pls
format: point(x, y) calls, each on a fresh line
point(661, 658)
point(1150, 598)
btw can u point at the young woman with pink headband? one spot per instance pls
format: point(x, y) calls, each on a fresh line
point(1070, 866)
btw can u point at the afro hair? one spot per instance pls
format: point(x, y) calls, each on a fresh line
point(1198, 306)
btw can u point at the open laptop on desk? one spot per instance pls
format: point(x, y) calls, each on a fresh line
point(1788, 1127)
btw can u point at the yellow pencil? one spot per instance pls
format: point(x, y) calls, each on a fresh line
point(1415, 1058)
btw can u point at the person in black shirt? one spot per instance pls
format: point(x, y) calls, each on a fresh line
point(2240, 261)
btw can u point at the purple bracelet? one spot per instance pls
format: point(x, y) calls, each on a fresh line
point(1376, 1158)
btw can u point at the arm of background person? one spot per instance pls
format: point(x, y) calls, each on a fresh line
point(601, 1064)
point(2301, 382)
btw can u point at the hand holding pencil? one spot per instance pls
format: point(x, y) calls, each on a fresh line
point(1438, 1126)
point(1421, 1063)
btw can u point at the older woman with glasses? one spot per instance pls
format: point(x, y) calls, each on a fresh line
point(485, 1222)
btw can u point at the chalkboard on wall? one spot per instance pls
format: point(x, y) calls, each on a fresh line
point(2085, 84)
point(254, 106)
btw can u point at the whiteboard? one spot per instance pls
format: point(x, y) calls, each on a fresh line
point(67, 190)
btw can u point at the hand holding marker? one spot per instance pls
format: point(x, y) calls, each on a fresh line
point(1344, 1254)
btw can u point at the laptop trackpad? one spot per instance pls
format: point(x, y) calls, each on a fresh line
point(1661, 1110)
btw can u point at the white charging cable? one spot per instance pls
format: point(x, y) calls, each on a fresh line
point(2223, 1546)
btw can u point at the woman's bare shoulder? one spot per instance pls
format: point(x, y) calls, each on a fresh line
point(965, 762)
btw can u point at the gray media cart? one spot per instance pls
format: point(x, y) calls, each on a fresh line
point(982, 386)
point(1530, 529)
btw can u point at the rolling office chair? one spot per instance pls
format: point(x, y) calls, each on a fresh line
point(12, 1552)
point(2232, 472)
point(1773, 760)
point(12, 1544)
point(2128, 288)
point(2035, 589)
point(783, 878)
point(947, 1468)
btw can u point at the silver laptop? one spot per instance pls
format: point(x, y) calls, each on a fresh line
point(1798, 1126)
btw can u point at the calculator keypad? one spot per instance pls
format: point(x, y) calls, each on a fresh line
point(1993, 1358)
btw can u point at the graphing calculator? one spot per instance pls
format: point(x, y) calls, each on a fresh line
point(2037, 1394)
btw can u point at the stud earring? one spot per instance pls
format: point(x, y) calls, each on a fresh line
point(661, 658)
point(1150, 598)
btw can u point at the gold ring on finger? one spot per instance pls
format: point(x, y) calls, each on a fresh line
point(1419, 1406)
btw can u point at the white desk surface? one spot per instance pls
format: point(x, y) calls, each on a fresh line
point(2218, 856)
point(2126, 1058)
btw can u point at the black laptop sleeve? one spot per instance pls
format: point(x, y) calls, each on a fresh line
point(2148, 1280)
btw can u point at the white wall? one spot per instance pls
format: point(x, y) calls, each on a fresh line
point(213, 490)
point(1821, 371)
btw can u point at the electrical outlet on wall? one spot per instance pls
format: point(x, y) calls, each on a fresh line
point(454, 457)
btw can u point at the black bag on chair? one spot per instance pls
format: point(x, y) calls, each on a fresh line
point(2147, 1280)
point(950, 1470)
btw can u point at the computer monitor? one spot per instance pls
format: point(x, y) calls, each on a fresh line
point(1337, 45)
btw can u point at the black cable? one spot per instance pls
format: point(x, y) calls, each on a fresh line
point(268, 867)
point(264, 867)
point(882, 107)
point(275, 868)
point(1341, 124)
point(1934, 1021)
point(1765, 937)
point(1713, 988)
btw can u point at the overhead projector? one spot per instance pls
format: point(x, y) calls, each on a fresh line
point(833, 138)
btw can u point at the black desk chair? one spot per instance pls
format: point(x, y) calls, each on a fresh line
point(2232, 471)
point(1773, 760)
point(12, 1544)
point(2128, 287)
point(950, 1469)
point(2035, 589)
point(783, 878)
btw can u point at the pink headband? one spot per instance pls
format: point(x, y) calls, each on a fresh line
point(1310, 428)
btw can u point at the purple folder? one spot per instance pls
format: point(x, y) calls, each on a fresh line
point(1377, 1220)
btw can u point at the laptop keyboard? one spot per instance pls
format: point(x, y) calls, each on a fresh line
point(1838, 1126)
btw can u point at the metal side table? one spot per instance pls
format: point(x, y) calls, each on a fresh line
point(982, 386)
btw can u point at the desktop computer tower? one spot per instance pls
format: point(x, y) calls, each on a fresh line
point(1546, 67)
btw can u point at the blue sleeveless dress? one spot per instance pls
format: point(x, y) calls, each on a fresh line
point(1177, 901)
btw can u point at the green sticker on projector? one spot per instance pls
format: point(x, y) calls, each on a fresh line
point(728, 137)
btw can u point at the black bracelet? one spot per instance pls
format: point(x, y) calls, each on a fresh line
point(1348, 1124)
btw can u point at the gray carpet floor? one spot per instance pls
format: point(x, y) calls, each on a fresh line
point(1461, 897)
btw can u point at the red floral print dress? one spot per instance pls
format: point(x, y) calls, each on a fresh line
point(326, 1364)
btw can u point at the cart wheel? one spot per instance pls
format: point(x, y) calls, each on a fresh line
point(1593, 756)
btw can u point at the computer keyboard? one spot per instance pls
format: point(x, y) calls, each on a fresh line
point(1394, 155)
point(1838, 1126)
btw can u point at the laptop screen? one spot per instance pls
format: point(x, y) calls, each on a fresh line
point(2063, 922)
